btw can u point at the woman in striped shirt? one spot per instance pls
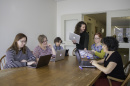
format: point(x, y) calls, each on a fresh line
point(19, 55)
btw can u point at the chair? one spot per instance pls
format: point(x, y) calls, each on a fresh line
point(127, 68)
point(2, 62)
point(73, 52)
point(127, 72)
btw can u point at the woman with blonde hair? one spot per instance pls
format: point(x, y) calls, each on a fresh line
point(43, 48)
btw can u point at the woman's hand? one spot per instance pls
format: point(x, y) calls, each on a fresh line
point(85, 48)
point(93, 62)
point(52, 57)
point(53, 50)
point(74, 41)
point(50, 46)
point(37, 59)
point(24, 60)
point(31, 62)
point(93, 51)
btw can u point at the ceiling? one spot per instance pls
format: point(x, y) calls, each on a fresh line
point(116, 21)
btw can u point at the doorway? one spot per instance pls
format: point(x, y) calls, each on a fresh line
point(95, 23)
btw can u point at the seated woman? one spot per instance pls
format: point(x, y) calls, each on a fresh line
point(43, 48)
point(97, 47)
point(18, 55)
point(57, 42)
point(113, 65)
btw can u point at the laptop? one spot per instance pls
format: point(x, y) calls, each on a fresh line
point(73, 36)
point(83, 63)
point(60, 54)
point(43, 61)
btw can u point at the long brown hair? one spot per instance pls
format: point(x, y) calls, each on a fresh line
point(14, 46)
point(78, 26)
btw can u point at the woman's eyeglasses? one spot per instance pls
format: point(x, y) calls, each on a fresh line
point(96, 38)
point(22, 41)
point(45, 41)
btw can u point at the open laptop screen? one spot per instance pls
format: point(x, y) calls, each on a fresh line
point(78, 56)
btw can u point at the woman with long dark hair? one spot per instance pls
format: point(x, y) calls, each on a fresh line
point(18, 54)
point(80, 29)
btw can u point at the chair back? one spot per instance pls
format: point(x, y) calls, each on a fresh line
point(127, 68)
point(73, 52)
point(2, 62)
point(126, 80)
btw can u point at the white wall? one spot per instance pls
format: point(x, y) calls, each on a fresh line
point(122, 13)
point(87, 7)
point(31, 17)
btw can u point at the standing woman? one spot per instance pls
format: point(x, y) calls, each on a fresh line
point(80, 29)
point(18, 54)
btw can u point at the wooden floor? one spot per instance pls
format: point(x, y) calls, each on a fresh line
point(62, 73)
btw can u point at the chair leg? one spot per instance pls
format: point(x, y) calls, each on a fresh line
point(110, 82)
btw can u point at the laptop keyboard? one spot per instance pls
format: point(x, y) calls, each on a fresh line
point(86, 63)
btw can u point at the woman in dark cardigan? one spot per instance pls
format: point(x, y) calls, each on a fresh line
point(18, 55)
point(80, 29)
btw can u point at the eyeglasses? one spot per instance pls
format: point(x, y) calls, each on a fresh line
point(96, 38)
point(45, 41)
point(22, 41)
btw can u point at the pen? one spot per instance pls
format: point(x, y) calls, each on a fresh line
point(80, 67)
